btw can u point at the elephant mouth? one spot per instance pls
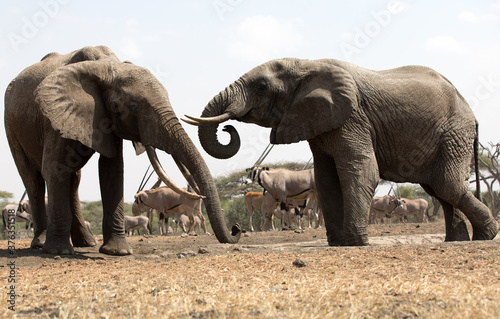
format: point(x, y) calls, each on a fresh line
point(153, 158)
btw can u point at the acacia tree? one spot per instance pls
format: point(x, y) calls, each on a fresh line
point(489, 173)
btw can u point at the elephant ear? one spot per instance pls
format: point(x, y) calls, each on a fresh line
point(323, 100)
point(71, 98)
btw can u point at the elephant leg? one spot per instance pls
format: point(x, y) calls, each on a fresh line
point(456, 228)
point(35, 188)
point(59, 215)
point(356, 190)
point(36, 194)
point(484, 226)
point(111, 182)
point(330, 198)
point(80, 235)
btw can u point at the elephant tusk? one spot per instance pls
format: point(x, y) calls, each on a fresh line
point(163, 176)
point(190, 122)
point(189, 178)
point(211, 120)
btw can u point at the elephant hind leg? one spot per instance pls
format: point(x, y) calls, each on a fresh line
point(456, 228)
point(484, 226)
point(35, 188)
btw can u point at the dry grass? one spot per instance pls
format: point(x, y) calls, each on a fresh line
point(432, 281)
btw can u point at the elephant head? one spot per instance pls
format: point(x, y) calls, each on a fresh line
point(274, 95)
point(98, 103)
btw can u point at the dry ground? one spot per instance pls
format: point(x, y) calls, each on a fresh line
point(407, 272)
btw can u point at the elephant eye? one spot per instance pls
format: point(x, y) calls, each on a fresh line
point(261, 87)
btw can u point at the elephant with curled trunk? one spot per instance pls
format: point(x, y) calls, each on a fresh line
point(407, 124)
point(63, 109)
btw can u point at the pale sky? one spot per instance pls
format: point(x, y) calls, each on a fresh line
point(197, 48)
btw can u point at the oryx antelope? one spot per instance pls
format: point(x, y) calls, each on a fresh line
point(164, 200)
point(283, 184)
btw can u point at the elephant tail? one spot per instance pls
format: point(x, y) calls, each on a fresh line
point(476, 163)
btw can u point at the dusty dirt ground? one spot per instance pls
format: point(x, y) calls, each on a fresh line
point(406, 272)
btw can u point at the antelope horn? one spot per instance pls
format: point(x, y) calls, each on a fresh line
point(211, 120)
point(163, 176)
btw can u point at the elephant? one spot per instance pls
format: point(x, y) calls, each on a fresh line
point(84, 102)
point(165, 200)
point(407, 124)
point(417, 207)
point(382, 207)
point(136, 223)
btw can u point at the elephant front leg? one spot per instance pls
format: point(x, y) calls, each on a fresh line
point(80, 235)
point(330, 199)
point(346, 185)
point(111, 182)
point(59, 216)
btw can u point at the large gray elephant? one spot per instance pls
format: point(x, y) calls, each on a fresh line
point(407, 124)
point(84, 102)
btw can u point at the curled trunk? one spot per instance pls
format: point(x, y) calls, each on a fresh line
point(187, 154)
point(207, 132)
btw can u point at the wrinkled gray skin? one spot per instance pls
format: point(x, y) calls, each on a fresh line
point(84, 102)
point(407, 124)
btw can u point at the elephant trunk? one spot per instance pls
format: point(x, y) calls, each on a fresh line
point(187, 154)
point(169, 136)
point(223, 103)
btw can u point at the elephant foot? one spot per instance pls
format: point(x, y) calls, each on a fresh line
point(487, 232)
point(38, 241)
point(361, 240)
point(83, 240)
point(356, 240)
point(57, 246)
point(116, 246)
point(335, 238)
point(457, 233)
